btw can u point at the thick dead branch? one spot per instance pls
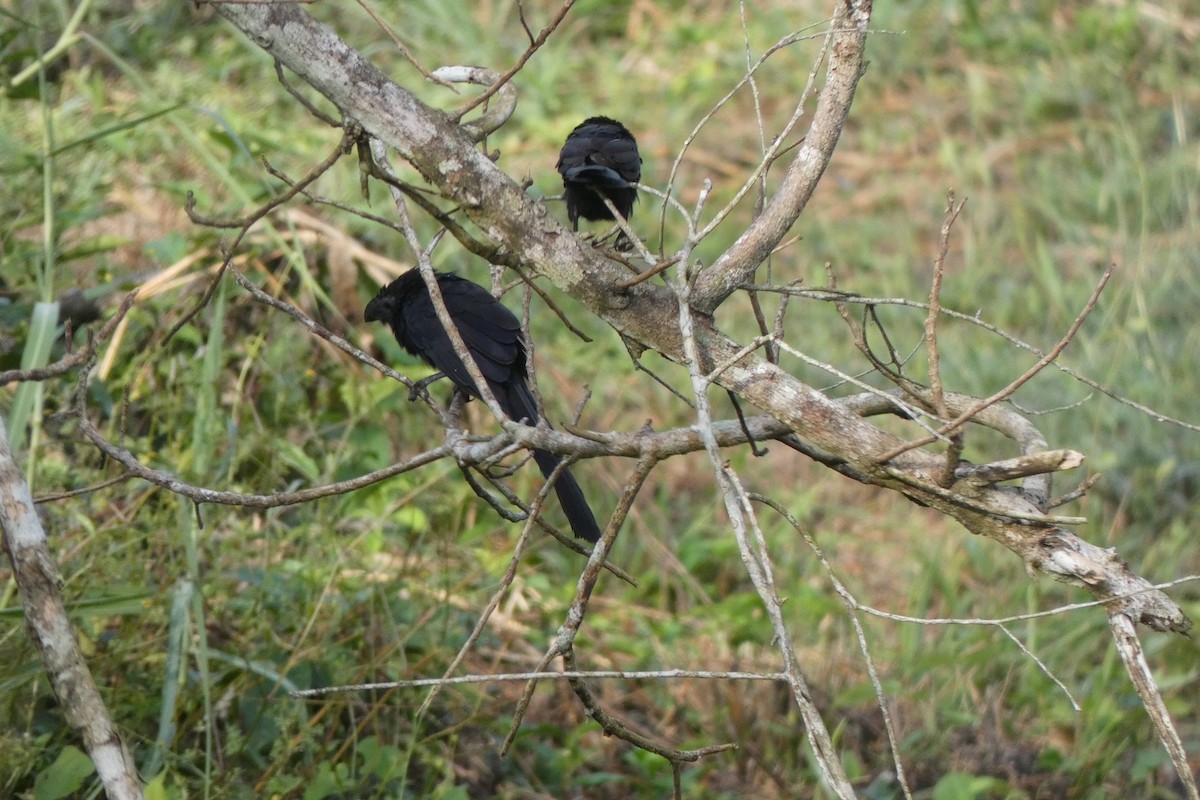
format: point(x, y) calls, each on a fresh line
point(848, 29)
point(494, 117)
point(1129, 647)
point(1023, 467)
point(50, 629)
point(999, 418)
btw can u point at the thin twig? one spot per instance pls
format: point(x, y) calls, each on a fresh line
point(396, 41)
point(1052, 612)
point(343, 147)
point(534, 46)
point(756, 558)
point(511, 677)
point(935, 305)
point(75, 358)
point(564, 640)
point(301, 99)
point(505, 583)
point(772, 150)
point(1012, 387)
point(836, 295)
point(954, 451)
point(852, 608)
point(201, 494)
point(95, 487)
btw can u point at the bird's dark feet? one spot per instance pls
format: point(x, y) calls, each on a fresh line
point(614, 238)
point(420, 389)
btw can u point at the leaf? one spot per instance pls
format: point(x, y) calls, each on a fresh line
point(42, 333)
point(330, 781)
point(963, 786)
point(292, 455)
point(65, 776)
point(157, 788)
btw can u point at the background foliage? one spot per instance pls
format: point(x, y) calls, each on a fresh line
point(1073, 130)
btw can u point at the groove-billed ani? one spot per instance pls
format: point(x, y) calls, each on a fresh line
point(599, 158)
point(492, 335)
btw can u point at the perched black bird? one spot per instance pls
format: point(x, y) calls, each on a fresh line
point(599, 159)
point(492, 335)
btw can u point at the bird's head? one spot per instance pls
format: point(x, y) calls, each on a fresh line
point(381, 308)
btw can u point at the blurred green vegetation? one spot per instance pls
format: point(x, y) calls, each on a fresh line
point(1072, 128)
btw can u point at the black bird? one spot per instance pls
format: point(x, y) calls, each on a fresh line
point(599, 159)
point(492, 335)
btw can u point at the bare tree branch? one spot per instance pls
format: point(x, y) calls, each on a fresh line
point(75, 358)
point(502, 677)
point(852, 608)
point(1134, 657)
point(834, 295)
point(494, 117)
point(500, 82)
point(200, 494)
point(50, 629)
point(848, 34)
point(564, 641)
point(957, 423)
point(757, 561)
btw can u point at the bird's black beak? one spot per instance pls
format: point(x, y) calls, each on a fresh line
point(379, 309)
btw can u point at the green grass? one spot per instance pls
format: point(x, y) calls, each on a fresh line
point(1073, 131)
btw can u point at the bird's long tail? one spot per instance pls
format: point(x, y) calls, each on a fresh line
point(570, 497)
point(519, 404)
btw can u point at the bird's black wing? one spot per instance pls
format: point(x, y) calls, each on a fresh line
point(575, 151)
point(604, 143)
point(595, 175)
point(621, 155)
point(490, 331)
